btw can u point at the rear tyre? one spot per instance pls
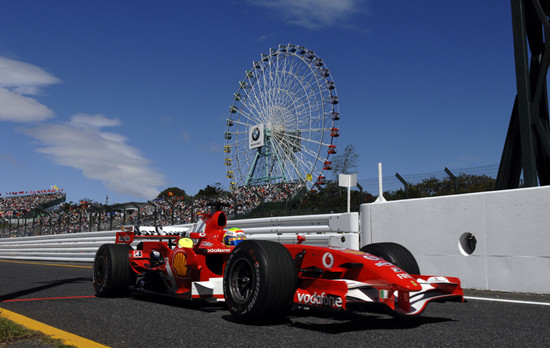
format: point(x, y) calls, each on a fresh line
point(394, 253)
point(259, 281)
point(112, 273)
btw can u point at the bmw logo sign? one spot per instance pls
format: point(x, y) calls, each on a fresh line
point(255, 133)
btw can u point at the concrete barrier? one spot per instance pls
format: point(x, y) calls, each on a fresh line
point(511, 229)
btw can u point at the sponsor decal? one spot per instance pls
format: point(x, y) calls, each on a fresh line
point(414, 283)
point(328, 260)
point(320, 300)
point(138, 253)
point(256, 136)
point(218, 250)
point(180, 264)
point(438, 279)
point(350, 251)
point(123, 238)
point(168, 277)
point(404, 276)
point(206, 244)
point(371, 257)
point(384, 263)
point(396, 269)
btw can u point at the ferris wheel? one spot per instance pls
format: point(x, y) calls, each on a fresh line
point(282, 123)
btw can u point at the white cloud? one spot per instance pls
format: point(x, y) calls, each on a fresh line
point(213, 147)
point(18, 80)
point(261, 38)
point(81, 144)
point(314, 14)
point(17, 108)
point(94, 121)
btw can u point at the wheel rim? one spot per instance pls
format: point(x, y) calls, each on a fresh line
point(242, 280)
point(100, 270)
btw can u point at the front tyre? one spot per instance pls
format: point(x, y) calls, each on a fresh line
point(259, 280)
point(394, 253)
point(112, 273)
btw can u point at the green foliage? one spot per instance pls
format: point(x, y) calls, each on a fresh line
point(430, 187)
point(172, 192)
point(333, 198)
point(214, 190)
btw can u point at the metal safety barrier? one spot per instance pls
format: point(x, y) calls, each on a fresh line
point(326, 229)
point(76, 247)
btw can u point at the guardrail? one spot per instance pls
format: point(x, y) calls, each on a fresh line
point(76, 247)
point(326, 229)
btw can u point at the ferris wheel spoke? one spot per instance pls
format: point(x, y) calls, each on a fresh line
point(292, 163)
point(309, 152)
point(251, 112)
point(255, 106)
point(249, 117)
point(287, 147)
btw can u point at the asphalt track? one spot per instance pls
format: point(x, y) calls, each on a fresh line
point(61, 296)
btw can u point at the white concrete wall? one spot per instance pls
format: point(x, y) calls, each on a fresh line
point(512, 229)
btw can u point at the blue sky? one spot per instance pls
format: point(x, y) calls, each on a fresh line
point(126, 98)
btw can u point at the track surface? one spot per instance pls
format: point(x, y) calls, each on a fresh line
point(62, 296)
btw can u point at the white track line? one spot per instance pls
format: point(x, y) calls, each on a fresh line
point(508, 301)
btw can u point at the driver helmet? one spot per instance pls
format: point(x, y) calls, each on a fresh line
point(233, 236)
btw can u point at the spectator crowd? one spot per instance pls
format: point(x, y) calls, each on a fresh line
point(18, 205)
point(16, 218)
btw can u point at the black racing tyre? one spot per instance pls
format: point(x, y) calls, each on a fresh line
point(394, 253)
point(259, 280)
point(112, 273)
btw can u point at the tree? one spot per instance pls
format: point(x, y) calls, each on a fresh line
point(172, 192)
point(330, 199)
point(346, 162)
point(214, 190)
point(433, 186)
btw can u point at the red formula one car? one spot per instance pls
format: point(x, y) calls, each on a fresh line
point(262, 279)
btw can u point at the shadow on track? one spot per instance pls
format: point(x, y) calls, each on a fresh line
point(197, 305)
point(49, 285)
point(350, 322)
point(341, 322)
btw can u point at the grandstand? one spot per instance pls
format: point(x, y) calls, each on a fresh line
point(29, 205)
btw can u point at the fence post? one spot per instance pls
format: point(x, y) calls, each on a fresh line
point(453, 178)
point(360, 193)
point(171, 211)
point(404, 184)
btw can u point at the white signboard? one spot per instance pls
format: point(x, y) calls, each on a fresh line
point(256, 136)
point(345, 180)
